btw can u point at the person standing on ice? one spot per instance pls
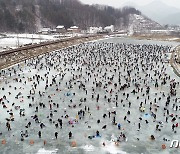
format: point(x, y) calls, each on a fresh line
point(139, 125)
point(97, 133)
point(119, 126)
point(56, 135)
point(39, 134)
point(114, 120)
point(70, 135)
point(8, 126)
point(109, 113)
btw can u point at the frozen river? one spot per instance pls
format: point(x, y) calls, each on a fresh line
point(135, 41)
point(92, 87)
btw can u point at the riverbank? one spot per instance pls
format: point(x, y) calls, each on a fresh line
point(157, 37)
point(174, 62)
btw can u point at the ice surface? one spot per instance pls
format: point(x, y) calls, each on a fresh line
point(58, 65)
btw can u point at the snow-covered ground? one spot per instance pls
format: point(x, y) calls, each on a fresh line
point(75, 77)
point(12, 41)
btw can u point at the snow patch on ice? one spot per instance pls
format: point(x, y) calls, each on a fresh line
point(43, 151)
point(88, 148)
point(112, 148)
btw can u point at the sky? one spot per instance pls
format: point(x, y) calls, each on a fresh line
point(119, 3)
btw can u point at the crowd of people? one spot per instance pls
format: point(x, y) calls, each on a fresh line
point(92, 88)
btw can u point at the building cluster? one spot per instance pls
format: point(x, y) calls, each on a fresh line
point(174, 27)
point(138, 24)
point(107, 29)
point(60, 29)
point(74, 29)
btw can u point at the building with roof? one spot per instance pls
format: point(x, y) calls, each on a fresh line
point(45, 31)
point(60, 29)
point(94, 30)
point(74, 29)
point(109, 28)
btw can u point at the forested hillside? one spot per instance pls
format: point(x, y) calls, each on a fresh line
point(17, 15)
point(30, 15)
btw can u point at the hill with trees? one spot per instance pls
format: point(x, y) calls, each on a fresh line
point(29, 15)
